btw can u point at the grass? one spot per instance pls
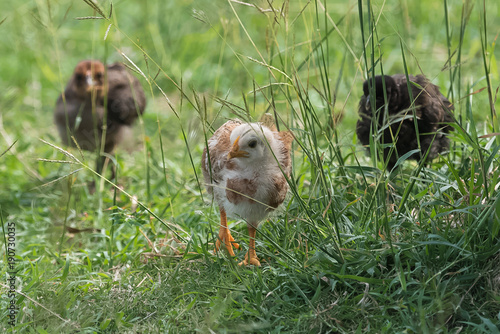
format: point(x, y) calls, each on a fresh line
point(355, 249)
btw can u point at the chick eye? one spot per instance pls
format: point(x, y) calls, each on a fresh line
point(252, 143)
point(79, 77)
point(98, 76)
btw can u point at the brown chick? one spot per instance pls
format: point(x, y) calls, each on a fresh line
point(397, 127)
point(81, 110)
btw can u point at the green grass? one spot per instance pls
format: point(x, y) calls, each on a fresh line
point(354, 250)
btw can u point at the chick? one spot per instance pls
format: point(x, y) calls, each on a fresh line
point(97, 107)
point(245, 171)
point(397, 127)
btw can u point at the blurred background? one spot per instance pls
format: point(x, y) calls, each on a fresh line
point(201, 53)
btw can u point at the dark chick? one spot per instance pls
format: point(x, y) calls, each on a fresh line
point(81, 113)
point(432, 111)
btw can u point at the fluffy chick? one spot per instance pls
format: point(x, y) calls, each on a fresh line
point(245, 170)
point(98, 101)
point(397, 126)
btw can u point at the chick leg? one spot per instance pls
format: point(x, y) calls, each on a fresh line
point(225, 235)
point(251, 256)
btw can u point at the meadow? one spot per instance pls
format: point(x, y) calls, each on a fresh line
point(354, 249)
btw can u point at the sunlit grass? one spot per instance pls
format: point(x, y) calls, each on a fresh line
point(355, 249)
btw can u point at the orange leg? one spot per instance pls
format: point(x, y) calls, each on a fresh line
point(251, 256)
point(225, 235)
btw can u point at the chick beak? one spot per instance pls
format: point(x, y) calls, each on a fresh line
point(236, 152)
point(90, 81)
point(368, 106)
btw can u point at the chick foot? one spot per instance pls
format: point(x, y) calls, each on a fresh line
point(225, 236)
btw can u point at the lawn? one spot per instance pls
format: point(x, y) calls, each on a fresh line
point(354, 249)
